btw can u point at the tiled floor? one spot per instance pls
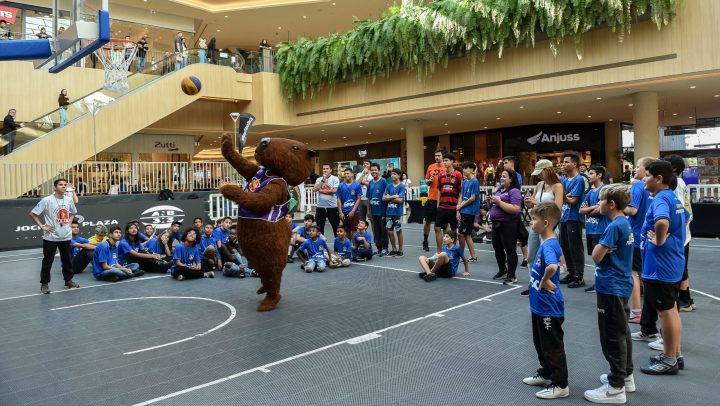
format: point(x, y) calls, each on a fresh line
point(371, 334)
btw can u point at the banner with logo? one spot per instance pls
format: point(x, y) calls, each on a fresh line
point(8, 14)
point(555, 137)
point(21, 232)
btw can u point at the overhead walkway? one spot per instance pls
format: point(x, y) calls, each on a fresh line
point(152, 95)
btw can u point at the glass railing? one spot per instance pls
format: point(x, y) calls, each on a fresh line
point(42, 126)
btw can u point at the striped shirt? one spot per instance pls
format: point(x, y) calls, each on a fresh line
point(449, 184)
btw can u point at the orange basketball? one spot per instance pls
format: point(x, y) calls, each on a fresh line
point(191, 85)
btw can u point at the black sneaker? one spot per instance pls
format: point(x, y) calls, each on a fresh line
point(430, 277)
point(579, 283)
point(391, 254)
point(680, 360)
point(590, 289)
point(566, 280)
point(399, 254)
point(302, 266)
point(500, 274)
point(472, 260)
point(524, 264)
point(44, 288)
point(426, 246)
point(660, 366)
point(422, 275)
point(525, 292)
point(290, 260)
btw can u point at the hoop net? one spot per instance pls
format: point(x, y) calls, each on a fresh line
point(117, 58)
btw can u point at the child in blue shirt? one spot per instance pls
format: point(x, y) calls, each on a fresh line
point(595, 222)
point(377, 208)
point(571, 222)
point(342, 250)
point(106, 265)
point(187, 259)
point(395, 198)
point(613, 284)
point(314, 249)
point(663, 240)
point(362, 243)
point(547, 307)
point(468, 208)
point(444, 264)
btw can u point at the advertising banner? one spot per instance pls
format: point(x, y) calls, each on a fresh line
point(21, 232)
point(553, 137)
point(8, 14)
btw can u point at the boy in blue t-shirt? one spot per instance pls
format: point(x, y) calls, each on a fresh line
point(613, 284)
point(342, 250)
point(82, 251)
point(314, 249)
point(663, 240)
point(349, 195)
point(571, 222)
point(362, 243)
point(639, 202)
point(547, 307)
point(394, 196)
point(106, 264)
point(444, 264)
point(377, 208)
point(595, 221)
point(468, 208)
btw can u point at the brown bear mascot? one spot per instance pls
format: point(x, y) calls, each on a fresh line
point(262, 231)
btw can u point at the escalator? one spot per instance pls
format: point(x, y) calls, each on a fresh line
point(102, 118)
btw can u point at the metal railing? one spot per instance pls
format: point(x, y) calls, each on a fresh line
point(704, 193)
point(96, 178)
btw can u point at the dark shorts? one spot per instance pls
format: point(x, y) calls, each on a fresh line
point(592, 241)
point(523, 233)
point(659, 295)
point(445, 271)
point(466, 224)
point(637, 261)
point(445, 217)
point(430, 211)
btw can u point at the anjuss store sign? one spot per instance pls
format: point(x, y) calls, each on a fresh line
point(546, 138)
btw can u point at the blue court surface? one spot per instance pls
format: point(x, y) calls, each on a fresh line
point(370, 334)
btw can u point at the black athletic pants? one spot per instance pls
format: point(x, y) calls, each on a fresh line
point(49, 249)
point(331, 214)
point(504, 239)
point(548, 339)
point(82, 260)
point(615, 338)
point(572, 248)
point(190, 273)
point(380, 234)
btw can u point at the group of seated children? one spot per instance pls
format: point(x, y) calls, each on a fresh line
point(310, 246)
point(196, 253)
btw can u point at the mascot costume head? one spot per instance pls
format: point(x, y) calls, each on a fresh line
point(262, 231)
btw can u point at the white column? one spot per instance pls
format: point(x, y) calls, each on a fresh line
point(645, 124)
point(415, 146)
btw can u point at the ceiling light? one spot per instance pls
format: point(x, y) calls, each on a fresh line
point(559, 112)
point(448, 132)
point(598, 98)
point(693, 87)
point(367, 142)
point(324, 140)
point(279, 28)
point(589, 116)
point(402, 128)
point(370, 133)
point(522, 107)
point(344, 137)
point(690, 117)
point(485, 127)
point(322, 131)
point(630, 105)
point(445, 124)
point(389, 139)
point(346, 145)
point(674, 114)
point(457, 114)
point(304, 17)
point(611, 119)
point(218, 30)
point(226, 16)
point(717, 95)
point(360, 126)
point(497, 118)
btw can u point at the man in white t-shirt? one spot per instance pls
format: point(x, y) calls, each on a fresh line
point(53, 215)
point(327, 208)
point(363, 178)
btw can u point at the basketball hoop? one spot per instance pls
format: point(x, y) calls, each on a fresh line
point(116, 57)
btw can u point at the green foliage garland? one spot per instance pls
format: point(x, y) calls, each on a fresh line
point(423, 36)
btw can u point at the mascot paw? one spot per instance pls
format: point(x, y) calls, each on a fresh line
point(227, 139)
point(261, 290)
point(268, 303)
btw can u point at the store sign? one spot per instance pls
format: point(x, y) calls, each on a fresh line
point(556, 138)
point(362, 153)
point(21, 232)
point(8, 14)
point(166, 146)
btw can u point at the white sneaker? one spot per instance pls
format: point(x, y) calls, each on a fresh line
point(537, 380)
point(657, 345)
point(640, 336)
point(553, 392)
point(629, 382)
point(563, 271)
point(606, 394)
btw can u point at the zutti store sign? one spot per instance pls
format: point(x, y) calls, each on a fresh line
point(550, 138)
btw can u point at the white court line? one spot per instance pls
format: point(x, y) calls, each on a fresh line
point(416, 272)
point(233, 312)
point(266, 367)
point(706, 294)
point(22, 255)
point(87, 287)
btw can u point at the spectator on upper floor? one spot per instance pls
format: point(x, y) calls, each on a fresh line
point(63, 102)
point(43, 34)
point(5, 32)
point(9, 126)
point(142, 49)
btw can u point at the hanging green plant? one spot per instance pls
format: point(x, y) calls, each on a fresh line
point(420, 37)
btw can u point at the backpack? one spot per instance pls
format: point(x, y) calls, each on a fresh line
point(166, 194)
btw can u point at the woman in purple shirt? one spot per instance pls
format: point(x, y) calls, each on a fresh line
point(504, 212)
